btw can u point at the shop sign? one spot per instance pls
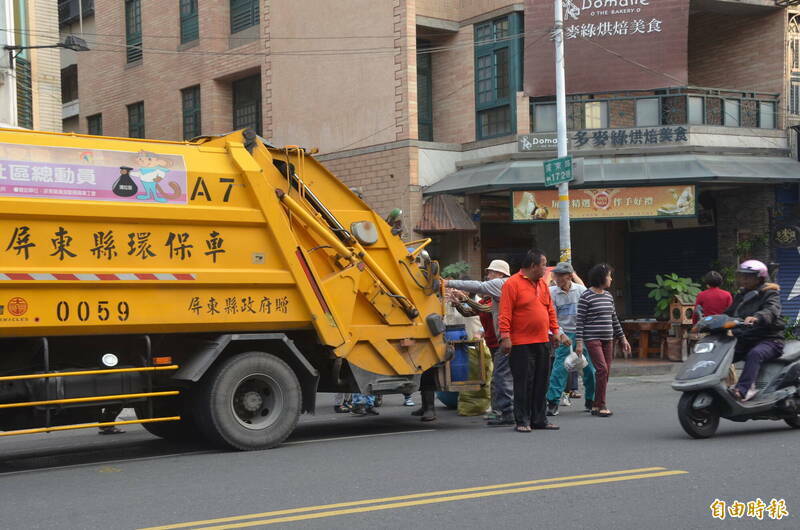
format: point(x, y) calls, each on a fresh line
point(614, 138)
point(607, 203)
point(537, 142)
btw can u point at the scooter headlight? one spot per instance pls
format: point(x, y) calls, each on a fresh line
point(704, 347)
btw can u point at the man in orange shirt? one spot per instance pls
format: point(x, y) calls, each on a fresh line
point(526, 320)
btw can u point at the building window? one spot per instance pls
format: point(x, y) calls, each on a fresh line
point(133, 30)
point(544, 117)
point(94, 124)
point(244, 14)
point(731, 110)
point(190, 23)
point(498, 74)
point(136, 120)
point(24, 93)
point(247, 103)
point(495, 122)
point(647, 112)
point(191, 112)
point(596, 115)
point(794, 95)
point(696, 111)
point(424, 94)
point(69, 83)
point(766, 114)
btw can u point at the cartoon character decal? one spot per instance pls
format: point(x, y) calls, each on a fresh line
point(152, 170)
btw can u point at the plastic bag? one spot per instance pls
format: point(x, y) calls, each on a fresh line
point(575, 362)
point(478, 402)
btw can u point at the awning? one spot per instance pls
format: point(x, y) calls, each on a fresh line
point(443, 213)
point(625, 170)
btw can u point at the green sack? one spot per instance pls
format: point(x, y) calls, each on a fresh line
point(478, 402)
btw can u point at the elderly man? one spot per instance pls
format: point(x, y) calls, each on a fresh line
point(497, 273)
point(527, 317)
point(565, 294)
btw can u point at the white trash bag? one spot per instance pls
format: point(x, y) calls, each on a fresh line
point(575, 362)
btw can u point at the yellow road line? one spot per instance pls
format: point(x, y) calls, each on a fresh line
point(403, 498)
point(334, 513)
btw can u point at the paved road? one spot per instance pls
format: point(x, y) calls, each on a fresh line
point(634, 470)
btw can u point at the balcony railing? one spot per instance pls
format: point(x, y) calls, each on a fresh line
point(669, 106)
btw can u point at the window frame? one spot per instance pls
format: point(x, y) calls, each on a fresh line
point(190, 21)
point(493, 39)
point(424, 93)
point(726, 114)
point(192, 111)
point(235, 105)
point(238, 7)
point(659, 116)
point(136, 107)
point(94, 124)
point(774, 106)
point(535, 120)
point(133, 31)
point(586, 115)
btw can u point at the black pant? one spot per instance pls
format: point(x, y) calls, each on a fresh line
point(530, 368)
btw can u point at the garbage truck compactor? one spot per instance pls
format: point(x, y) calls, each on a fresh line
point(215, 286)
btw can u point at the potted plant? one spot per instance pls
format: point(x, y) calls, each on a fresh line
point(669, 288)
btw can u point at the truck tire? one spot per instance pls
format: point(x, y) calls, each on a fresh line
point(697, 423)
point(185, 430)
point(250, 401)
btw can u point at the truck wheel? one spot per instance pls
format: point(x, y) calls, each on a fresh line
point(701, 423)
point(185, 430)
point(250, 401)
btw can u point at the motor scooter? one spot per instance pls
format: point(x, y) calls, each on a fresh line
point(706, 398)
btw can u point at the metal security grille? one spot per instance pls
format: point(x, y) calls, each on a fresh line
point(244, 14)
point(24, 93)
point(247, 103)
point(133, 30)
point(190, 25)
point(136, 120)
point(191, 112)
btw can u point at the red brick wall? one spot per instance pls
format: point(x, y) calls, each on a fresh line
point(590, 68)
point(108, 83)
point(738, 52)
point(385, 181)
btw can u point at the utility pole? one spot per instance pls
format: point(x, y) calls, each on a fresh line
point(561, 128)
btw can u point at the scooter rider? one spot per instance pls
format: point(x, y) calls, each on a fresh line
point(758, 303)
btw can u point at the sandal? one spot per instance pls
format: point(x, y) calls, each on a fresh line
point(604, 413)
point(595, 411)
point(522, 428)
point(575, 395)
point(547, 427)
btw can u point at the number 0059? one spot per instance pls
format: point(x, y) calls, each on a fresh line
point(84, 311)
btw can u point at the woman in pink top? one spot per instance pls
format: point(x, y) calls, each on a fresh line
point(712, 301)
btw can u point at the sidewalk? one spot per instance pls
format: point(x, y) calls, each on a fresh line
point(638, 367)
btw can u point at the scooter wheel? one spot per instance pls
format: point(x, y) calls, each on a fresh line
point(794, 422)
point(701, 423)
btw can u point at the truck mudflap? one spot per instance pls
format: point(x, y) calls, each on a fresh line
point(208, 351)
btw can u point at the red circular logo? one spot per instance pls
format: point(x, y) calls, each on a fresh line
point(602, 200)
point(17, 306)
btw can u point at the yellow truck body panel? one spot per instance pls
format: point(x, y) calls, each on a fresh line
point(112, 236)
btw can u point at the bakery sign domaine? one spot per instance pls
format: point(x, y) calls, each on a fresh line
point(610, 36)
point(584, 18)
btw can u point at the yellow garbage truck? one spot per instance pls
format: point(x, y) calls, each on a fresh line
point(215, 286)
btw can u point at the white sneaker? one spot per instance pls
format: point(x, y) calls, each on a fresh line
point(408, 402)
point(565, 402)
